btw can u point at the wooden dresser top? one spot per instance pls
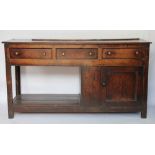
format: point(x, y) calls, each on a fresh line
point(79, 41)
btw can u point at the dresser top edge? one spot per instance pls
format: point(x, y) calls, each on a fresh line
point(79, 41)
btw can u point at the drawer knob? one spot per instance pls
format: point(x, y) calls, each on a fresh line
point(90, 53)
point(137, 52)
point(63, 53)
point(44, 53)
point(16, 53)
point(108, 53)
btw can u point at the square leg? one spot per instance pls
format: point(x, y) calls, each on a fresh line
point(10, 114)
point(144, 114)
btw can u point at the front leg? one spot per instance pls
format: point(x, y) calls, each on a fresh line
point(18, 80)
point(9, 91)
point(144, 114)
point(9, 86)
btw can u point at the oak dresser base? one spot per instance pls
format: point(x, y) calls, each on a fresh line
point(114, 75)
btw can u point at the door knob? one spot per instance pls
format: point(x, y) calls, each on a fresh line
point(104, 84)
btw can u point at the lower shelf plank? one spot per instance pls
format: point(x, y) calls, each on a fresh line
point(47, 99)
point(62, 104)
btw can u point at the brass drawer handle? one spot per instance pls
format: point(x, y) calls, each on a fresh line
point(16, 53)
point(63, 53)
point(91, 53)
point(137, 52)
point(44, 53)
point(108, 52)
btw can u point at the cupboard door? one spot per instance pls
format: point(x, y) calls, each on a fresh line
point(122, 85)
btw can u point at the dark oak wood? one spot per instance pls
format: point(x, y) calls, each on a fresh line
point(91, 86)
point(9, 85)
point(77, 53)
point(75, 62)
point(30, 53)
point(41, 99)
point(114, 74)
point(60, 103)
point(123, 85)
point(18, 80)
point(122, 53)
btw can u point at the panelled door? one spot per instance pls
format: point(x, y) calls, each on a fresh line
point(122, 85)
point(112, 86)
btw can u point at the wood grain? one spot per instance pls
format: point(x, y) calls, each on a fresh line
point(114, 74)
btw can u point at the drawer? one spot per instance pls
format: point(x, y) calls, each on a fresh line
point(122, 53)
point(77, 53)
point(30, 53)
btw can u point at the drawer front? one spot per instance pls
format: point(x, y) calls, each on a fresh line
point(122, 53)
point(77, 53)
point(30, 53)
